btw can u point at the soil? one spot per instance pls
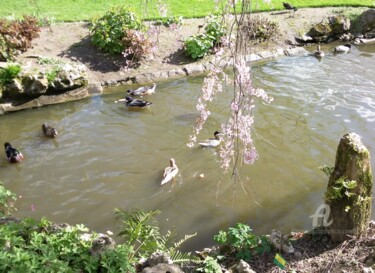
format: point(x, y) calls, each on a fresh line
point(71, 42)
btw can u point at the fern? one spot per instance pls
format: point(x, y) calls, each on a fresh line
point(140, 229)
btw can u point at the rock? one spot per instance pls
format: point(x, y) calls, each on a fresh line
point(102, 243)
point(163, 268)
point(280, 242)
point(367, 21)
point(159, 258)
point(304, 39)
point(69, 77)
point(244, 267)
point(329, 29)
point(34, 85)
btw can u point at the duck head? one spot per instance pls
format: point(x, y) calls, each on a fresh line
point(128, 99)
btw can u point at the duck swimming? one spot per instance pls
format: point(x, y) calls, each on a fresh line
point(318, 53)
point(13, 155)
point(169, 172)
point(212, 142)
point(144, 90)
point(136, 103)
point(342, 48)
point(49, 131)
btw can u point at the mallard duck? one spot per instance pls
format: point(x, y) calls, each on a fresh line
point(289, 6)
point(318, 53)
point(169, 172)
point(144, 90)
point(49, 131)
point(212, 142)
point(342, 48)
point(136, 103)
point(13, 155)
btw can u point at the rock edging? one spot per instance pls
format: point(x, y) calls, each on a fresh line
point(193, 69)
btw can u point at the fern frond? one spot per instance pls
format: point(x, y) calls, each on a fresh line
point(182, 241)
point(183, 258)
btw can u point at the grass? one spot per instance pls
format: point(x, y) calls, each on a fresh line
point(85, 10)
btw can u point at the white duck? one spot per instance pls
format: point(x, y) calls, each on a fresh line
point(143, 90)
point(342, 48)
point(170, 172)
point(212, 142)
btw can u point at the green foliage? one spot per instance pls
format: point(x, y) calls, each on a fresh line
point(16, 36)
point(140, 230)
point(260, 29)
point(54, 67)
point(199, 45)
point(108, 31)
point(8, 73)
point(342, 187)
point(40, 246)
point(243, 241)
point(209, 265)
point(169, 21)
point(7, 200)
point(327, 169)
point(215, 29)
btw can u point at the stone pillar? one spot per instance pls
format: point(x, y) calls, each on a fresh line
point(349, 189)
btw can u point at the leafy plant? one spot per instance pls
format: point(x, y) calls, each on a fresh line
point(260, 29)
point(327, 169)
point(198, 46)
point(136, 45)
point(40, 246)
point(108, 31)
point(140, 230)
point(209, 265)
point(342, 187)
point(243, 241)
point(16, 36)
point(214, 29)
point(169, 21)
point(8, 73)
point(7, 200)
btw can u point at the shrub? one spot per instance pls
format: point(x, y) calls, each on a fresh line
point(108, 31)
point(243, 241)
point(40, 246)
point(168, 21)
point(198, 46)
point(8, 73)
point(214, 29)
point(136, 45)
point(7, 199)
point(260, 29)
point(16, 36)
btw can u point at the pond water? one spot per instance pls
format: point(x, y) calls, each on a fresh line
point(107, 157)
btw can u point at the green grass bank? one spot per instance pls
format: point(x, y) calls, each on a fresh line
point(84, 10)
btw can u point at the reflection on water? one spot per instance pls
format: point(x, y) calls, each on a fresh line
point(107, 157)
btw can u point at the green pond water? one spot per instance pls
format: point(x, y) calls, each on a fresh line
point(107, 157)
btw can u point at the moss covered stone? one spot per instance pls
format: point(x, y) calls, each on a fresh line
point(350, 212)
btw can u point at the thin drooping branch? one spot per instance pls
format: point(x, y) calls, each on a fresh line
point(237, 147)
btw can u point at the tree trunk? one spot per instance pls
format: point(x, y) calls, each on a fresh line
point(349, 189)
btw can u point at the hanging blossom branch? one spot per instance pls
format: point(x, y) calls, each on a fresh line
point(238, 146)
